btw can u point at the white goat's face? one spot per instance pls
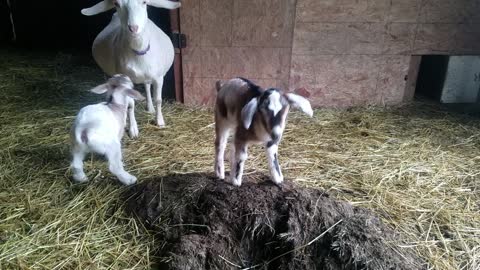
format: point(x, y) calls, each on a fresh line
point(271, 102)
point(133, 15)
point(274, 102)
point(273, 105)
point(119, 81)
point(118, 88)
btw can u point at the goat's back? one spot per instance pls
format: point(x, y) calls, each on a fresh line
point(234, 94)
point(100, 120)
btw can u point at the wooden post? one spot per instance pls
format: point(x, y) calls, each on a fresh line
point(177, 64)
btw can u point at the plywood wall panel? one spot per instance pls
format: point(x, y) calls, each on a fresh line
point(228, 38)
point(337, 80)
point(190, 22)
point(342, 52)
point(399, 38)
point(263, 23)
point(365, 38)
point(342, 10)
point(432, 38)
point(445, 11)
point(392, 79)
point(216, 62)
point(320, 38)
point(200, 91)
point(216, 22)
point(467, 39)
point(406, 11)
point(192, 62)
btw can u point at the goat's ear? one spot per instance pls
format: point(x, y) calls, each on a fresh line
point(168, 4)
point(248, 112)
point(102, 88)
point(300, 102)
point(98, 8)
point(134, 94)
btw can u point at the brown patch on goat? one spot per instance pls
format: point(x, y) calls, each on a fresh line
point(210, 224)
point(84, 136)
point(222, 108)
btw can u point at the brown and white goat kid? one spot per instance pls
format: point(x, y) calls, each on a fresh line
point(100, 127)
point(256, 116)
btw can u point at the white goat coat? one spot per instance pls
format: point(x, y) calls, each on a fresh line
point(111, 50)
point(98, 122)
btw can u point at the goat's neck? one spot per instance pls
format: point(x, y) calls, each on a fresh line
point(138, 43)
point(117, 108)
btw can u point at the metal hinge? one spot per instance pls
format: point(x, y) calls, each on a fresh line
point(179, 40)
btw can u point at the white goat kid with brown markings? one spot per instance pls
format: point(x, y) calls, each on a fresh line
point(99, 128)
point(254, 115)
point(133, 45)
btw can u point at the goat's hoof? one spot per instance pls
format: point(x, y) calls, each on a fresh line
point(278, 180)
point(151, 110)
point(159, 121)
point(129, 180)
point(236, 182)
point(281, 185)
point(80, 178)
point(133, 132)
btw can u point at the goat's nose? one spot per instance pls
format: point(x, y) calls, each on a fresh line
point(133, 28)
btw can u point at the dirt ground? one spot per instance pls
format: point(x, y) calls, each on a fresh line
point(209, 224)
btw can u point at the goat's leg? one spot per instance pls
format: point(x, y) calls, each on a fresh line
point(221, 137)
point(78, 154)
point(239, 155)
point(158, 84)
point(148, 93)
point(272, 155)
point(132, 126)
point(115, 164)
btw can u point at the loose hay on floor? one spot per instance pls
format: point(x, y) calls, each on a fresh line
point(417, 167)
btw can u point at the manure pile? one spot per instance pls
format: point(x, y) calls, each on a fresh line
point(209, 224)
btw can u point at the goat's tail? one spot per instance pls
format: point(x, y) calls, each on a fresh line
point(218, 85)
point(82, 133)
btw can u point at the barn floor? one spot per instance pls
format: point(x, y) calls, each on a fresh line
point(418, 167)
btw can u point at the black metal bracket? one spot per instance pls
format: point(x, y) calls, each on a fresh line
point(179, 40)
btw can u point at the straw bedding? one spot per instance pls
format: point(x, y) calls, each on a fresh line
point(417, 167)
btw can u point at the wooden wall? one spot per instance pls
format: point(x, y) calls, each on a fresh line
point(228, 38)
point(340, 52)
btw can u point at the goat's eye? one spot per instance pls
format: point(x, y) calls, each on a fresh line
point(116, 3)
point(144, 2)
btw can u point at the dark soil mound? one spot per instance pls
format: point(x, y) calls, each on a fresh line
point(209, 224)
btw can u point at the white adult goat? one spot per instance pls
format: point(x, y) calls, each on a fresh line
point(133, 45)
point(99, 128)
